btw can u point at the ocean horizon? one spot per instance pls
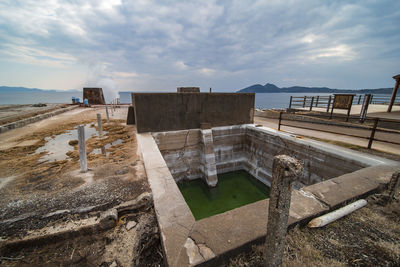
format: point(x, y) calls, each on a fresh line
point(263, 100)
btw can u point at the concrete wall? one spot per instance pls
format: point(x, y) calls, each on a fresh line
point(94, 95)
point(248, 148)
point(157, 112)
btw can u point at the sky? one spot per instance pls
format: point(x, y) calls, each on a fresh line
point(227, 45)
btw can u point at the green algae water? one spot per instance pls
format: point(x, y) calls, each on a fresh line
point(234, 189)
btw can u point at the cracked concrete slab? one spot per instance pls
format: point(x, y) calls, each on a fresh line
point(348, 186)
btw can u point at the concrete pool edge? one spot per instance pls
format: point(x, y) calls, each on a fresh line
point(212, 238)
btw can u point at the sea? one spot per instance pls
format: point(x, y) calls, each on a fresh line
point(263, 100)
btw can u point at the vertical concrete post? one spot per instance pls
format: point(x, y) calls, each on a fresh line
point(285, 170)
point(82, 147)
point(100, 127)
point(108, 117)
point(394, 185)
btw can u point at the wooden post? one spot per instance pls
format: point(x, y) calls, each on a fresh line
point(280, 119)
point(210, 90)
point(316, 103)
point(359, 99)
point(108, 117)
point(312, 102)
point(329, 104)
point(304, 102)
point(371, 99)
point(393, 98)
point(371, 138)
point(112, 111)
point(290, 103)
point(82, 148)
point(285, 171)
point(99, 126)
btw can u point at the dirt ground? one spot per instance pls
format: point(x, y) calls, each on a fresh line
point(368, 237)
point(35, 194)
point(11, 113)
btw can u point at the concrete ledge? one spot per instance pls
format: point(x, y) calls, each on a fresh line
point(174, 217)
point(339, 190)
point(21, 123)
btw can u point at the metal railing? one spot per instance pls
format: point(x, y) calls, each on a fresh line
point(317, 101)
point(389, 126)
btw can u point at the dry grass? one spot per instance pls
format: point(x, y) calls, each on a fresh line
point(367, 237)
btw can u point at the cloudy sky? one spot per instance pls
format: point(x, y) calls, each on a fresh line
point(227, 45)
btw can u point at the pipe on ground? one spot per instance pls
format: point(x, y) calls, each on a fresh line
point(337, 214)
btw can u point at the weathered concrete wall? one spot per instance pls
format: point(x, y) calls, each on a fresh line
point(157, 112)
point(188, 89)
point(249, 148)
point(94, 95)
point(182, 153)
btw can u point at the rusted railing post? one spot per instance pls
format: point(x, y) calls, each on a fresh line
point(280, 119)
point(312, 102)
point(371, 138)
point(285, 171)
point(329, 104)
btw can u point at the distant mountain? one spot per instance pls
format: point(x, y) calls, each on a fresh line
point(272, 88)
point(8, 89)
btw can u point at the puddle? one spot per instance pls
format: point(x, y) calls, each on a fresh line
point(103, 150)
point(57, 147)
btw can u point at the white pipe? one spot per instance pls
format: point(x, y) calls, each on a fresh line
point(337, 214)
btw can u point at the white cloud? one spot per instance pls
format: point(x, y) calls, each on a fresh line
point(148, 43)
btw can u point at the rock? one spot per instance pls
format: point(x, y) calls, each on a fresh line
point(73, 142)
point(108, 219)
point(114, 264)
point(124, 170)
point(130, 225)
point(144, 201)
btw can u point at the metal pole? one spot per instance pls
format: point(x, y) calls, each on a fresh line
point(364, 108)
point(290, 103)
point(312, 102)
point(393, 98)
point(285, 171)
point(108, 117)
point(304, 102)
point(329, 104)
point(359, 99)
point(316, 103)
point(371, 138)
point(82, 148)
point(112, 111)
point(280, 119)
point(100, 127)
